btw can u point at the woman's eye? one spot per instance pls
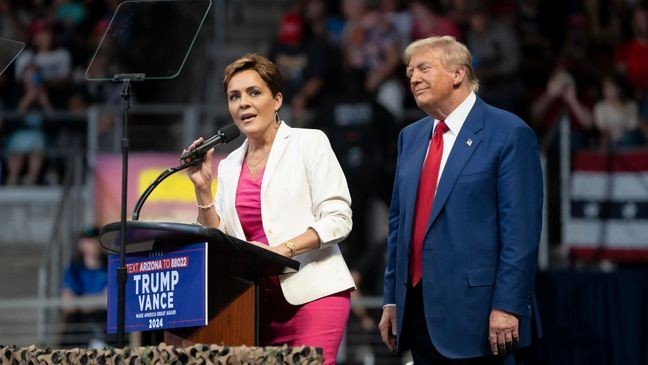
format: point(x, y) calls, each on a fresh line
point(233, 97)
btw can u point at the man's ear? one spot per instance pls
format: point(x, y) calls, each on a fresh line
point(459, 76)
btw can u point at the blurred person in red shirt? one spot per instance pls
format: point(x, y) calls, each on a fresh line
point(631, 59)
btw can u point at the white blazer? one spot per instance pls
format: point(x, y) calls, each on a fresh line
point(303, 187)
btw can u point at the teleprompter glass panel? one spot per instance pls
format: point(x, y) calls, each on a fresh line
point(150, 37)
point(9, 50)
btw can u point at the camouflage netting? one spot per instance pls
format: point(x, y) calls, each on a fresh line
point(162, 354)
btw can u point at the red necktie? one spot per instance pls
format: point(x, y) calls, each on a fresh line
point(425, 200)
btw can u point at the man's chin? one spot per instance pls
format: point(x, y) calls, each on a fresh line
point(421, 102)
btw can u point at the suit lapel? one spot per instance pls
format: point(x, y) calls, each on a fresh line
point(459, 156)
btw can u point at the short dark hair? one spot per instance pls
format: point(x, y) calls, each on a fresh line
point(268, 71)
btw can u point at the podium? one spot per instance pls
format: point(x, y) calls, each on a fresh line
point(235, 270)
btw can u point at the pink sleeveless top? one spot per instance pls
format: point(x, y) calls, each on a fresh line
point(248, 205)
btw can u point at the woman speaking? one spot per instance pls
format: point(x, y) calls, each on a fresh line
point(283, 189)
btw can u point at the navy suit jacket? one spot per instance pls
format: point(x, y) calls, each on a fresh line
point(480, 247)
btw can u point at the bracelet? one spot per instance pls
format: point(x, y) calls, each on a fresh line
point(206, 206)
point(292, 247)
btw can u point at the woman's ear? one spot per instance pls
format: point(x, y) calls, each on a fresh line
point(278, 101)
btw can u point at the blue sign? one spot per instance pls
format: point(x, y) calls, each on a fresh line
point(165, 289)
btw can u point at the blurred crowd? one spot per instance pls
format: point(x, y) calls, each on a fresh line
point(47, 76)
point(537, 58)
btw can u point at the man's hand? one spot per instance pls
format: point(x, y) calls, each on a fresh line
point(388, 327)
point(503, 334)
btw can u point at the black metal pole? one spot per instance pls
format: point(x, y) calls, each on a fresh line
point(122, 275)
point(121, 270)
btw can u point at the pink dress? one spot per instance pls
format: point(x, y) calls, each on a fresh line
point(319, 323)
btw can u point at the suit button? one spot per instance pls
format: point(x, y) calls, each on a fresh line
point(270, 232)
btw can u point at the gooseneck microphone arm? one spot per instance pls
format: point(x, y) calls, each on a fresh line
point(189, 158)
point(166, 173)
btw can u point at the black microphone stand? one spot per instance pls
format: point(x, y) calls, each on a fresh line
point(122, 275)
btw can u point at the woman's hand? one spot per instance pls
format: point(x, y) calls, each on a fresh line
point(201, 173)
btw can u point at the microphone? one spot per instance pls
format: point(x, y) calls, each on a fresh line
point(225, 135)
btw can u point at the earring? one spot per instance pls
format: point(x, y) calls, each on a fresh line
point(277, 117)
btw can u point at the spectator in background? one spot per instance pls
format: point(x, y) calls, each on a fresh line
point(54, 63)
point(429, 20)
point(71, 29)
point(457, 10)
point(302, 58)
point(558, 99)
point(616, 115)
point(496, 59)
point(69, 12)
point(399, 15)
point(606, 21)
point(582, 58)
point(315, 19)
point(371, 48)
point(28, 141)
point(17, 15)
point(631, 58)
point(536, 63)
point(9, 22)
point(85, 277)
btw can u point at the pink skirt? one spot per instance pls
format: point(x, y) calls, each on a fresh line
point(320, 323)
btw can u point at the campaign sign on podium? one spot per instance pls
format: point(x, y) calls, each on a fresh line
point(165, 289)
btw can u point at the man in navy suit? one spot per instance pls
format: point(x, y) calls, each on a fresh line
point(464, 221)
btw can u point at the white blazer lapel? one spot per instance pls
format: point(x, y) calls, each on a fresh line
point(229, 184)
point(278, 148)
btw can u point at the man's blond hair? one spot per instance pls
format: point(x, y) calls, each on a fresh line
point(451, 53)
